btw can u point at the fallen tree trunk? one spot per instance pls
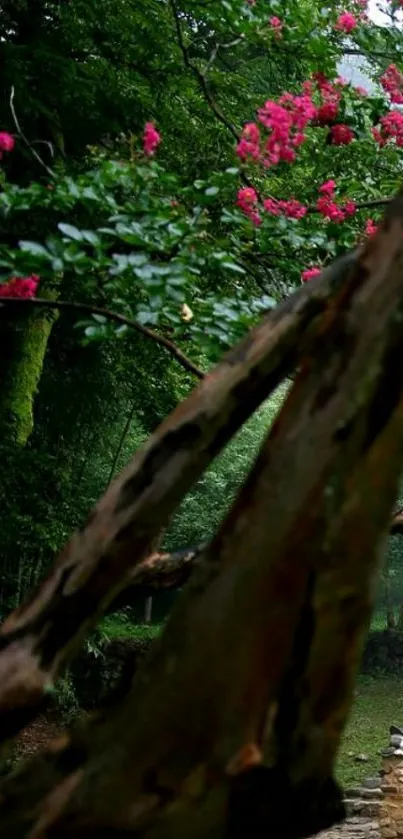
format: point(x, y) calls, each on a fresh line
point(232, 725)
point(159, 571)
point(165, 570)
point(38, 639)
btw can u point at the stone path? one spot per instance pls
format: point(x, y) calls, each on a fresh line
point(355, 827)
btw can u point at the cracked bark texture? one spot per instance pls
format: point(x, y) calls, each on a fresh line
point(242, 701)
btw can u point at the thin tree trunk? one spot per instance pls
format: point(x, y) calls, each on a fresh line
point(148, 610)
point(21, 375)
point(389, 609)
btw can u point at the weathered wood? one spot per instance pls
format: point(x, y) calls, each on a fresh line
point(232, 725)
point(37, 639)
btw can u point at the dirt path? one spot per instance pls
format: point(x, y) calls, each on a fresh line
point(36, 736)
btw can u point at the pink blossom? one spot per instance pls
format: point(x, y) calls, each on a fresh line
point(392, 83)
point(20, 287)
point(272, 206)
point(361, 90)
point(276, 25)
point(350, 207)
point(328, 188)
point(285, 121)
point(370, 227)
point(151, 139)
point(392, 127)
point(310, 273)
point(290, 208)
point(329, 108)
point(293, 208)
point(249, 144)
point(341, 134)
point(7, 142)
point(346, 22)
point(329, 209)
point(247, 201)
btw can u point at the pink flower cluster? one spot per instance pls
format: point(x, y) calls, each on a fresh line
point(328, 207)
point(391, 128)
point(151, 139)
point(7, 142)
point(341, 134)
point(249, 144)
point(310, 273)
point(346, 22)
point(330, 98)
point(392, 83)
point(285, 121)
point(248, 202)
point(276, 25)
point(20, 287)
point(291, 208)
point(371, 227)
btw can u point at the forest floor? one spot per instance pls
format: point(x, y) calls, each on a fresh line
point(378, 704)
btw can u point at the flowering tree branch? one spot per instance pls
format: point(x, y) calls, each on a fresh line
point(181, 358)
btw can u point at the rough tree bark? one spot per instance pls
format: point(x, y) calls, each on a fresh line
point(240, 707)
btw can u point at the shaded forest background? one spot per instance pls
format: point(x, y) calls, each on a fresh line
point(85, 77)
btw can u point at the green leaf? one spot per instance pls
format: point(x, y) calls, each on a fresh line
point(232, 266)
point(35, 249)
point(212, 190)
point(71, 232)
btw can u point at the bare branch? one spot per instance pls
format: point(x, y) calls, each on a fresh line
point(201, 77)
point(185, 362)
point(25, 139)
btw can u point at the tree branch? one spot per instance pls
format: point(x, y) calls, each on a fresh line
point(159, 571)
point(25, 139)
point(201, 77)
point(235, 710)
point(186, 363)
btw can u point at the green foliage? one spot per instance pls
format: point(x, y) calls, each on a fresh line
point(120, 625)
point(201, 512)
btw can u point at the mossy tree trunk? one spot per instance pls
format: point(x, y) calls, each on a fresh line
point(21, 373)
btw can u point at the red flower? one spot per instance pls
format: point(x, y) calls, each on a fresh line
point(151, 139)
point(341, 135)
point(20, 287)
point(7, 142)
point(310, 273)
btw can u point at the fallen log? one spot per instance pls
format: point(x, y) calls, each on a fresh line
point(39, 638)
point(232, 725)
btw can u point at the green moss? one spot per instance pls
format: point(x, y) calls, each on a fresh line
point(119, 626)
point(22, 375)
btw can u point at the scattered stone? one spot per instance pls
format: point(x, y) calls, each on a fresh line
point(372, 794)
point(362, 758)
point(396, 740)
point(395, 729)
point(372, 783)
point(353, 792)
point(387, 752)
